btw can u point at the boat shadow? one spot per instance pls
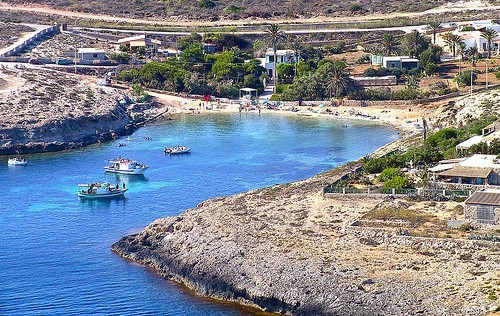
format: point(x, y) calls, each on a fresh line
point(125, 178)
point(103, 203)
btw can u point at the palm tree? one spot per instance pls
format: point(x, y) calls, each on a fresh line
point(390, 44)
point(275, 36)
point(434, 26)
point(298, 49)
point(461, 50)
point(489, 35)
point(339, 78)
point(473, 54)
point(414, 43)
point(453, 41)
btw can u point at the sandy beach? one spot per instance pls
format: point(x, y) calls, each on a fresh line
point(407, 120)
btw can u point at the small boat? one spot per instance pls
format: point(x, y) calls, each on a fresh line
point(125, 166)
point(98, 190)
point(17, 161)
point(121, 145)
point(176, 150)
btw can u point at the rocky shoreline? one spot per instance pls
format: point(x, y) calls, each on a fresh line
point(285, 249)
point(46, 111)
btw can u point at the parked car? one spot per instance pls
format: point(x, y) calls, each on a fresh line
point(62, 61)
point(34, 61)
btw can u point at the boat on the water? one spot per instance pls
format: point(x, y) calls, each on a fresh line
point(177, 150)
point(125, 166)
point(98, 190)
point(17, 161)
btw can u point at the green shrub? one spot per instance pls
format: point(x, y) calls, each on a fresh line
point(355, 8)
point(399, 182)
point(374, 165)
point(466, 227)
point(388, 174)
point(207, 4)
point(234, 9)
point(464, 79)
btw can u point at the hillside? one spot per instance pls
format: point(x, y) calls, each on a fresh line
point(211, 10)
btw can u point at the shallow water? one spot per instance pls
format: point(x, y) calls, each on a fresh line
point(55, 249)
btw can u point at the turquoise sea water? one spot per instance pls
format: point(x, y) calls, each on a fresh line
point(55, 256)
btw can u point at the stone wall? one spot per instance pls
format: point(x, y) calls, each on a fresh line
point(378, 236)
point(470, 213)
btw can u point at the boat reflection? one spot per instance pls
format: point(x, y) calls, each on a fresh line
point(103, 203)
point(126, 178)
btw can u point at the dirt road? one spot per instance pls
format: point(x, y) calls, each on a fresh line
point(452, 7)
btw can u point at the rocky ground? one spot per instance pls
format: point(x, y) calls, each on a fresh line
point(287, 249)
point(10, 33)
point(44, 110)
point(64, 45)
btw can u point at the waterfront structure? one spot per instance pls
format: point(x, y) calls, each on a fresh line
point(483, 207)
point(478, 169)
point(282, 56)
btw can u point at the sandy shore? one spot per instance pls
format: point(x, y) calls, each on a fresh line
point(407, 120)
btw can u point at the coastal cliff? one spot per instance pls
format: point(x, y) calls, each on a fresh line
point(287, 249)
point(45, 110)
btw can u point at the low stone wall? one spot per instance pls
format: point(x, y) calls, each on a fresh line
point(388, 103)
point(378, 236)
point(34, 37)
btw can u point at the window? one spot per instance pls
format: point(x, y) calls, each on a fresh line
point(484, 46)
point(271, 59)
point(94, 55)
point(485, 214)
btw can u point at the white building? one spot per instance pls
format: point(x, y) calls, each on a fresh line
point(401, 62)
point(282, 56)
point(91, 54)
point(474, 38)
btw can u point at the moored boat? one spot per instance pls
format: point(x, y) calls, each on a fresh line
point(125, 166)
point(98, 190)
point(17, 161)
point(177, 150)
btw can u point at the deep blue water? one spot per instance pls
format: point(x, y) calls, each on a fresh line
point(55, 256)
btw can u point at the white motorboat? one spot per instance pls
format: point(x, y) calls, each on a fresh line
point(17, 161)
point(98, 190)
point(125, 166)
point(177, 150)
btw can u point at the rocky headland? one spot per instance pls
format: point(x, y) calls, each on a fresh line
point(44, 110)
point(291, 250)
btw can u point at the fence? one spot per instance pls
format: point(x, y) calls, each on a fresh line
point(392, 191)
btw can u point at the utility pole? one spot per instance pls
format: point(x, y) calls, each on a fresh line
point(471, 73)
point(76, 55)
point(487, 61)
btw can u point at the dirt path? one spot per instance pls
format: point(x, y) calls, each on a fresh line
point(452, 7)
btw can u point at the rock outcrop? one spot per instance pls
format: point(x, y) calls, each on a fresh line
point(45, 110)
point(285, 249)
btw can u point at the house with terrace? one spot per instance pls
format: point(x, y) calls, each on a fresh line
point(477, 170)
point(282, 56)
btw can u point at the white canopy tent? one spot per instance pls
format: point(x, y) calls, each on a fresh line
point(248, 93)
